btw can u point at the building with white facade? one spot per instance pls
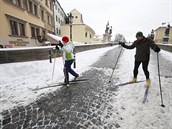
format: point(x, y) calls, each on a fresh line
point(59, 17)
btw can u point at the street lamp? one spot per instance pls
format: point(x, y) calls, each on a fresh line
point(70, 17)
point(70, 20)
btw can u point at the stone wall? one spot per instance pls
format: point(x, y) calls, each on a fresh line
point(166, 47)
point(11, 55)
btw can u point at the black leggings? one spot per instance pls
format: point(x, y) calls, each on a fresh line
point(144, 66)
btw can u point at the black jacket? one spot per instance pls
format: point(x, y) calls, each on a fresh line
point(143, 48)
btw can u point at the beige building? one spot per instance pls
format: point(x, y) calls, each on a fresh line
point(159, 35)
point(22, 21)
point(80, 32)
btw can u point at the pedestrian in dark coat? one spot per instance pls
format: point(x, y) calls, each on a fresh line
point(142, 55)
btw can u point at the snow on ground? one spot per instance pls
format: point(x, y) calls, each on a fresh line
point(18, 79)
point(128, 102)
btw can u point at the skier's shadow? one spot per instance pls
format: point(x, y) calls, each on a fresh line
point(114, 87)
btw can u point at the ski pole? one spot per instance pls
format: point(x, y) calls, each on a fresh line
point(74, 65)
point(50, 56)
point(115, 65)
point(54, 65)
point(160, 81)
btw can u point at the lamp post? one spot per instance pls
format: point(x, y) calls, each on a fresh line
point(70, 24)
point(70, 18)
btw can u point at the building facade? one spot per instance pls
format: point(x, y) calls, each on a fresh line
point(25, 22)
point(98, 39)
point(79, 31)
point(159, 35)
point(59, 17)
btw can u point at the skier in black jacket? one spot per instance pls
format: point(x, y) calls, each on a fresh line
point(142, 55)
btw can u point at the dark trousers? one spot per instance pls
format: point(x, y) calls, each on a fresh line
point(144, 66)
point(68, 69)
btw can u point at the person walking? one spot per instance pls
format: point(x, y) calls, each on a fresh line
point(68, 57)
point(142, 55)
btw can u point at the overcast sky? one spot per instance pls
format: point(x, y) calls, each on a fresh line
point(125, 16)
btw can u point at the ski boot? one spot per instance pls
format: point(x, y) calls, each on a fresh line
point(66, 83)
point(75, 78)
point(148, 81)
point(133, 80)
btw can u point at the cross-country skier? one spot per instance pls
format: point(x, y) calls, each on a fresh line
point(68, 57)
point(142, 55)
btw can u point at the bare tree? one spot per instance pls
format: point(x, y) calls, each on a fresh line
point(119, 38)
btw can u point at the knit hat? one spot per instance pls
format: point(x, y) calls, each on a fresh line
point(65, 39)
point(139, 34)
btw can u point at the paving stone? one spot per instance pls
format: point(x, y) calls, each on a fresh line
point(78, 107)
point(6, 121)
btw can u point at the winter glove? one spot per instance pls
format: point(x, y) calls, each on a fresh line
point(57, 47)
point(60, 44)
point(121, 43)
point(157, 49)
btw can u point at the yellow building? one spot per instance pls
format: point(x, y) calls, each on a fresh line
point(22, 21)
point(159, 35)
point(80, 32)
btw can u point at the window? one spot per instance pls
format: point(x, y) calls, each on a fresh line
point(30, 7)
point(35, 31)
point(17, 28)
point(57, 30)
point(56, 18)
point(35, 10)
point(85, 34)
point(48, 19)
point(52, 20)
point(16, 2)
point(42, 14)
point(22, 29)
point(59, 20)
point(90, 36)
point(51, 5)
point(76, 17)
point(46, 2)
point(14, 27)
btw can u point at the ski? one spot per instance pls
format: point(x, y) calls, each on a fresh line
point(60, 84)
point(77, 80)
point(126, 83)
point(54, 85)
point(146, 94)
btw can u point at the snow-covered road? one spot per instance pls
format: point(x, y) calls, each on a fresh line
point(17, 79)
point(128, 102)
point(110, 106)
